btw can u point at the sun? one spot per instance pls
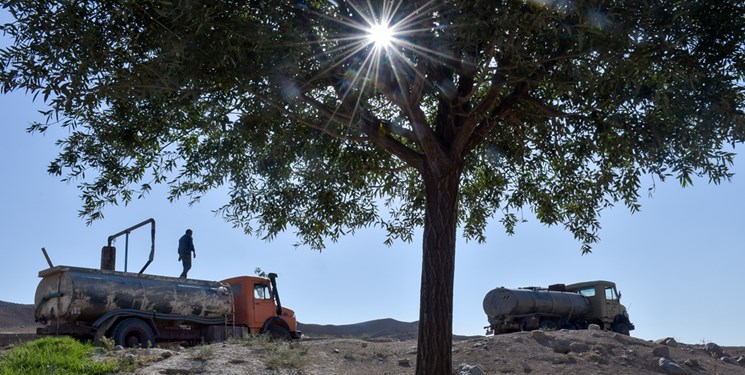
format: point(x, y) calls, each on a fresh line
point(380, 35)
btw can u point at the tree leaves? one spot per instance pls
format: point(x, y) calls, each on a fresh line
point(556, 108)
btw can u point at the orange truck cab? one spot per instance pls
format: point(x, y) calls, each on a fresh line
point(257, 306)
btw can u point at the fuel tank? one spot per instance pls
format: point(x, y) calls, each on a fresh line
point(501, 302)
point(71, 294)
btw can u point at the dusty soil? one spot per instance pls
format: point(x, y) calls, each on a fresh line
point(387, 346)
point(538, 352)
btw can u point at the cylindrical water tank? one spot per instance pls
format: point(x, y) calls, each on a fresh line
point(71, 294)
point(504, 302)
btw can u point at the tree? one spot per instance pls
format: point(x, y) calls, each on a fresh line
point(328, 116)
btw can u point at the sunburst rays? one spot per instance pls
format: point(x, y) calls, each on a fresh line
point(376, 49)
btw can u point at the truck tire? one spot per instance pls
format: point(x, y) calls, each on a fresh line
point(134, 333)
point(621, 328)
point(548, 325)
point(278, 333)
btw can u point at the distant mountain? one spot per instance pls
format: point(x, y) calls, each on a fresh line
point(381, 328)
point(15, 315)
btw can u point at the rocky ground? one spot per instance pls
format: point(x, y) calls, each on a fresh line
point(387, 346)
point(538, 352)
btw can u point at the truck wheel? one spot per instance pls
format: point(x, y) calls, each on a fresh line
point(621, 328)
point(134, 333)
point(548, 325)
point(278, 333)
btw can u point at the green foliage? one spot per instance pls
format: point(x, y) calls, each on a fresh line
point(559, 108)
point(259, 272)
point(107, 343)
point(202, 352)
point(56, 356)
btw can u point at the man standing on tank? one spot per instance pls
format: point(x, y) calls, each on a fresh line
point(185, 249)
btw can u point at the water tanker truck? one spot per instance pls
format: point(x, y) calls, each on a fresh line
point(137, 309)
point(559, 306)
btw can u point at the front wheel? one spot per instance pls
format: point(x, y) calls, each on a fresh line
point(278, 333)
point(134, 333)
point(621, 328)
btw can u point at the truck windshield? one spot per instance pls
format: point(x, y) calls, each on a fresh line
point(587, 292)
point(261, 291)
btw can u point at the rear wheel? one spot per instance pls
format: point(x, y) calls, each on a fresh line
point(133, 333)
point(548, 325)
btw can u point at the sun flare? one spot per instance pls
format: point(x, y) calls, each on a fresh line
point(380, 35)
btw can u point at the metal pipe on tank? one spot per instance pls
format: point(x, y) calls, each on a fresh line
point(129, 230)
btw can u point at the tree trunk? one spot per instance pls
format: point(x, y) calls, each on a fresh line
point(435, 340)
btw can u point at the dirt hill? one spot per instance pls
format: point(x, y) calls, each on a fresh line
point(16, 317)
point(553, 352)
point(387, 346)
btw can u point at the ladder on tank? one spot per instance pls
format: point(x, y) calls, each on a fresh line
point(229, 325)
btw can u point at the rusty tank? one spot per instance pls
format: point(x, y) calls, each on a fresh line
point(505, 302)
point(82, 295)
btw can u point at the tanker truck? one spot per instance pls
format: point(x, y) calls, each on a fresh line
point(573, 306)
point(138, 309)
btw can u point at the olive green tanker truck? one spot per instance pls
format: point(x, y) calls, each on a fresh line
point(559, 306)
point(137, 309)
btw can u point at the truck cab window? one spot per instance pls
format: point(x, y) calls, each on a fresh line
point(587, 292)
point(610, 294)
point(261, 291)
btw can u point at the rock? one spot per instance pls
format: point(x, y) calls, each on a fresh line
point(667, 341)
point(130, 358)
point(729, 360)
point(661, 351)
point(713, 349)
point(166, 354)
point(466, 369)
point(597, 358)
point(670, 367)
point(579, 347)
point(479, 345)
point(692, 363)
point(118, 347)
point(336, 351)
point(593, 327)
point(526, 368)
point(741, 360)
point(538, 335)
point(562, 346)
point(404, 362)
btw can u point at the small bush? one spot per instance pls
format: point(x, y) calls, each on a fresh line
point(57, 355)
point(202, 352)
point(285, 355)
point(279, 354)
point(107, 343)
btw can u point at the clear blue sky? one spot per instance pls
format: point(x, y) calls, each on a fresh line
point(679, 262)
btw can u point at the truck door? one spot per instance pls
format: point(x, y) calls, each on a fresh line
point(612, 303)
point(263, 304)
